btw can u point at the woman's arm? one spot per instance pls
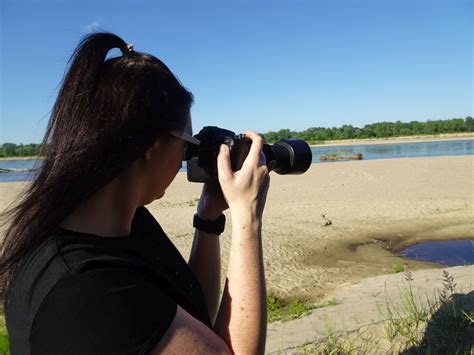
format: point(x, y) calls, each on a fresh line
point(205, 263)
point(242, 316)
point(240, 326)
point(205, 258)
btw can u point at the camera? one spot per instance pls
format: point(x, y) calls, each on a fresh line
point(291, 156)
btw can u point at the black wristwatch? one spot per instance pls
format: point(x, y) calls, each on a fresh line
point(210, 226)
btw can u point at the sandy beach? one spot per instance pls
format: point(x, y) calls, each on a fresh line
point(376, 207)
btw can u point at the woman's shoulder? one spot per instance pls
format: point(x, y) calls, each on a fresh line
point(108, 310)
point(64, 253)
point(104, 306)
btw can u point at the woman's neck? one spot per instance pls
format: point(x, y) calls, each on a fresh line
point(107, 213)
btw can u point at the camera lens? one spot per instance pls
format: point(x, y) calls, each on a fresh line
point(292, 156)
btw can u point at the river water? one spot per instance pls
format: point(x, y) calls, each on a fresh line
point(401, 150)
point(18, 169)
point(449, 252)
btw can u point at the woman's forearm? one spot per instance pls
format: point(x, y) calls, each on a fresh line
point(205, 263)
point(242, 316)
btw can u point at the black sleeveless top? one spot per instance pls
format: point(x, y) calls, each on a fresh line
point(80, 293)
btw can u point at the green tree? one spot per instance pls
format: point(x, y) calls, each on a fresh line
point(8, 149)
point(469, 124)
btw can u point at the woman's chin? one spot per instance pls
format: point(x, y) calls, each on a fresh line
point(157, 197)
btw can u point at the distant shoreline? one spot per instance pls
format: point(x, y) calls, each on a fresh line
point(405, 139)
point(365, 141)
point(22, 158)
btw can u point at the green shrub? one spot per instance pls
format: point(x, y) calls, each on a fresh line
point(273, 303)
point(279, 309)
point(397, 267)
point(298, 308)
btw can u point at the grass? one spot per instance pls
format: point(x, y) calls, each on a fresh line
point(279, 309)
point(406, 322)
point(331, 302)
point(4, 347)
point(440, 324)
point(397, 267)
point(193, 202)
point(341, 342)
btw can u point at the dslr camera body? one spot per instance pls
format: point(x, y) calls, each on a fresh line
point(291, 156)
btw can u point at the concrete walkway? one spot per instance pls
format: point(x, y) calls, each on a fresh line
point(359, 306)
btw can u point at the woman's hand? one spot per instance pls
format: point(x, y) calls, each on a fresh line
point(212, 203)
point(245, 190)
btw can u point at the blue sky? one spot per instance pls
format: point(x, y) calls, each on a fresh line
point(259, 65)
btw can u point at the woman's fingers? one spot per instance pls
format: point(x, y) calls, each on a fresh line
point(255, 149)
point(224, 170)
point(242, 188)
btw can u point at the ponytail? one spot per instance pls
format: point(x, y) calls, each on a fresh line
point(75, 95)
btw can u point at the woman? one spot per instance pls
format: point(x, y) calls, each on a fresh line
point(86, 267)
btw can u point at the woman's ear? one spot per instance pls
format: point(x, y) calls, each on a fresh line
point(149, 152)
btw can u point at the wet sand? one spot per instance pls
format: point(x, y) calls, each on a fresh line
point(376, 207)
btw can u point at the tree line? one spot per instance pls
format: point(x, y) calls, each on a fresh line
point(318, 134)
point(375, 130)
point(8, 150)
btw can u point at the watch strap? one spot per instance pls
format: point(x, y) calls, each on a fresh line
point(209, 226)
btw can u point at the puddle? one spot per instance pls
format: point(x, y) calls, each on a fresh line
point(450, 253)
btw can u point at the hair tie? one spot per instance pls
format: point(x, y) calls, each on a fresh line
point(127, 49)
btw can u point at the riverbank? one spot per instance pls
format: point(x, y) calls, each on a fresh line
point(374, 206)
point(21, 158)
point(391, 140)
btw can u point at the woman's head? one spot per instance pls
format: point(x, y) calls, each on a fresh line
point(108, 113)
point(118, 106)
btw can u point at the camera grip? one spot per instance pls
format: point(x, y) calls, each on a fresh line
point(239, 148)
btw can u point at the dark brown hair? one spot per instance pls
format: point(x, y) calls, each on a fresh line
point(107, 113)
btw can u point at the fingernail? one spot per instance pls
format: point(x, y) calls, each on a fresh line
point(223, 147)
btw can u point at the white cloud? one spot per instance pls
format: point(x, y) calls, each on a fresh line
point(92, 27)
